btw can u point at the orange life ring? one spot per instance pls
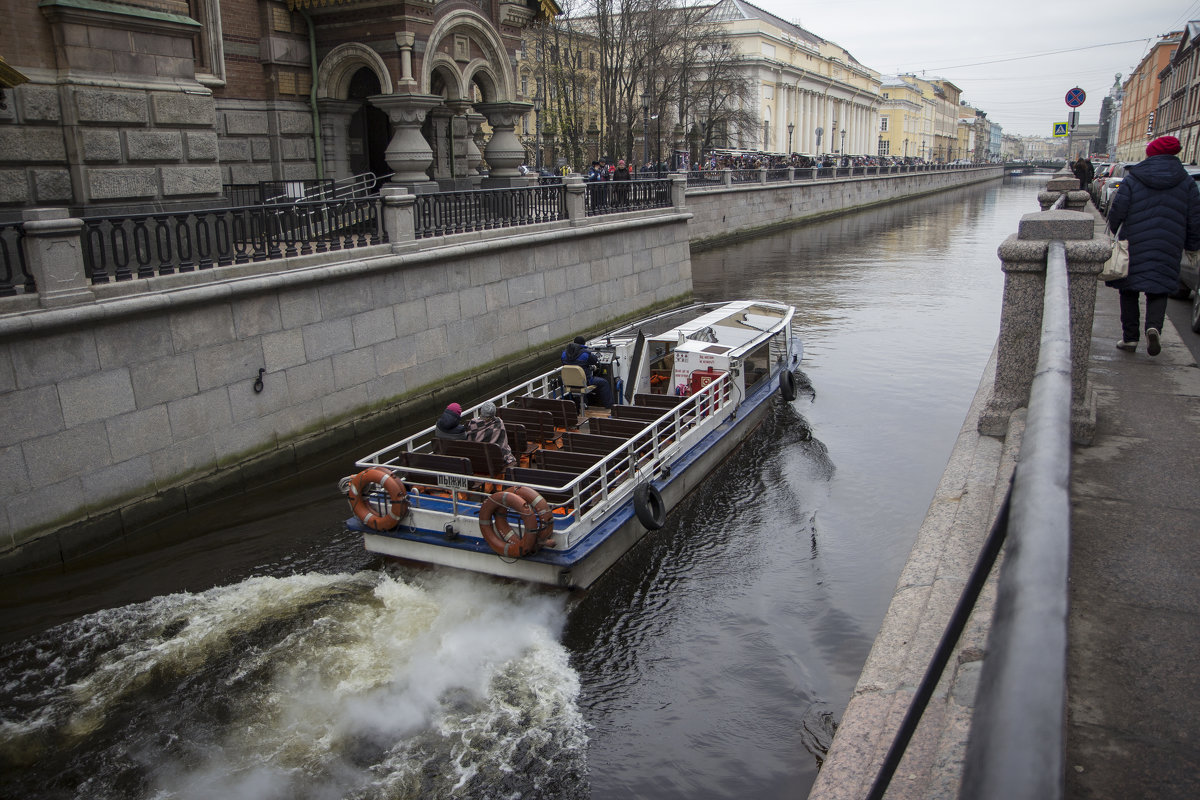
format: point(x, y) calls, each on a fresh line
point(537, 521)
point(358, 491)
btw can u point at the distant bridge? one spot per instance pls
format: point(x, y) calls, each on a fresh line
point(1034, 166)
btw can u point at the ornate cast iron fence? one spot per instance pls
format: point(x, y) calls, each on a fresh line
point(445, 213)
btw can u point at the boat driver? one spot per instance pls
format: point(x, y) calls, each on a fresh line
point(578, 353)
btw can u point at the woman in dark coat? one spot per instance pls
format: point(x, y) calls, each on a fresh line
point(1159, 205)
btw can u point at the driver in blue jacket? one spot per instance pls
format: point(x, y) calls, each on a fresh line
point(578, 354)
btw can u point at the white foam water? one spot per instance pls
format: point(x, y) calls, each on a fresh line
point(311, 686)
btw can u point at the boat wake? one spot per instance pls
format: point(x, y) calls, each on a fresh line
point(311, 686)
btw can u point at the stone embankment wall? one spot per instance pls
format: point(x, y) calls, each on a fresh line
point(143, 403)
point(724, 213)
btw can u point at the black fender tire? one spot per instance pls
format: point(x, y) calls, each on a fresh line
point(649, 506)
point(787, 385)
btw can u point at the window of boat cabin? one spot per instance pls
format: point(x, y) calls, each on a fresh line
point(757, 363)
point(662, 365)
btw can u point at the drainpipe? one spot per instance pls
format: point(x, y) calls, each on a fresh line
point(312, 93)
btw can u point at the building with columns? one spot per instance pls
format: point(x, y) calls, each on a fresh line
point(154, 104)
point(812, 96)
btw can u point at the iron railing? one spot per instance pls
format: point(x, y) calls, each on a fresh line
point(484, 209)
point(145, 245)
point(1017, 741)
point(14, 275)
point(745, 175)
point(612, 197)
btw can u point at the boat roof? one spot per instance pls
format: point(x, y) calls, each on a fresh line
point(730, 324)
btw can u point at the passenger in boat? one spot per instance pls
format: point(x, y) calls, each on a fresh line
point(577, 353)
point(487, 427)
point(449, 424)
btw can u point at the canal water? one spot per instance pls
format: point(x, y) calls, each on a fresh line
point(253, 650)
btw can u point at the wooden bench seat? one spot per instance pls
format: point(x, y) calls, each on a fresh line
point(539, 425)
point(544, 477)
point(646, 413)
point(566, 413)
point(566, 461)
point(577, 442)
point(624, 428)
point(486, 457)
point(657, 400)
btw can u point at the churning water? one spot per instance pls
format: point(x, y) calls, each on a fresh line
point(264, 655)
point(309, 686)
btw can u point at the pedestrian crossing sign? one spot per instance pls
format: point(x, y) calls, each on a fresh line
point(1060, 129)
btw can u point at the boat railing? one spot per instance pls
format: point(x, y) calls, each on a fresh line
point(588, 495)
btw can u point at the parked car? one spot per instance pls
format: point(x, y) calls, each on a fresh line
point(1111, 183)
point(1188, 276)
point(1102, 173)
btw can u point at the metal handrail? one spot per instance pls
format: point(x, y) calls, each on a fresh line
point(1017, 741)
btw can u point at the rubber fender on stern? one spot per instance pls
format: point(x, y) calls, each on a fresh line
point(537, 522)
point(649, 506)
point(358, 493)
point(787, 385)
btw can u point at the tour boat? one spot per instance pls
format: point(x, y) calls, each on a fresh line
point(689, 385)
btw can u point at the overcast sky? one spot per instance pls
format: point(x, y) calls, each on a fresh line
point(1023, 88)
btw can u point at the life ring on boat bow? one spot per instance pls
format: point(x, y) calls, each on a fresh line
point(537, 521)
point(787, 385)
point(358, 493)
point(649, 506)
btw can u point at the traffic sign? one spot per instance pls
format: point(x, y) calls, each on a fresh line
point(1075, 97)
point(1060, 129)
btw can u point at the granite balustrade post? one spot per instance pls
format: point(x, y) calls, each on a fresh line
point(576, 206)
point(1023, 259)
point(54, 256)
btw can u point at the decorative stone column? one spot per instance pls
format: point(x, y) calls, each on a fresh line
point(408, 154)
point(474, 156)
point(1023, 258)
point(504, 152)
point(335, 135)
point(461, 145)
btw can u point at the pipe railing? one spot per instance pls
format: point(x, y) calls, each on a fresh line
point(1017, 741)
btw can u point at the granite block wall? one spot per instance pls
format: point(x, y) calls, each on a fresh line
point(112, 406)
point(724, 212)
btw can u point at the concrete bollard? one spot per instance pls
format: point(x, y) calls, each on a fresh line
point(1023, 259)
point(54, 255)
point(727, 177)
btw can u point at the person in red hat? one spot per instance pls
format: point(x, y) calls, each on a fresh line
point(1157, 210)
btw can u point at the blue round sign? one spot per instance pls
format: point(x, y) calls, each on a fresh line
point(1075, 97)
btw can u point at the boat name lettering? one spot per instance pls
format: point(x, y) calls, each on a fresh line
point(452, 482)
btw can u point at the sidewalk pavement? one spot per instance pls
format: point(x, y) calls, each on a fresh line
point(1133, 728)
point(1133, 675)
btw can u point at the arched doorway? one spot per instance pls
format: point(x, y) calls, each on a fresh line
point(370, 130)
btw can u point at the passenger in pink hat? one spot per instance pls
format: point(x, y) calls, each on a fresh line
point(449, 424)
point(1157, 210)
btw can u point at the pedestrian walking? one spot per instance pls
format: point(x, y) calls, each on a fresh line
point(1157, 210)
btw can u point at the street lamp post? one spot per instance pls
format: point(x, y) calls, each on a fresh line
point(537, 124)
point(791, 127)
point(843, 150)
point(645, 128)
